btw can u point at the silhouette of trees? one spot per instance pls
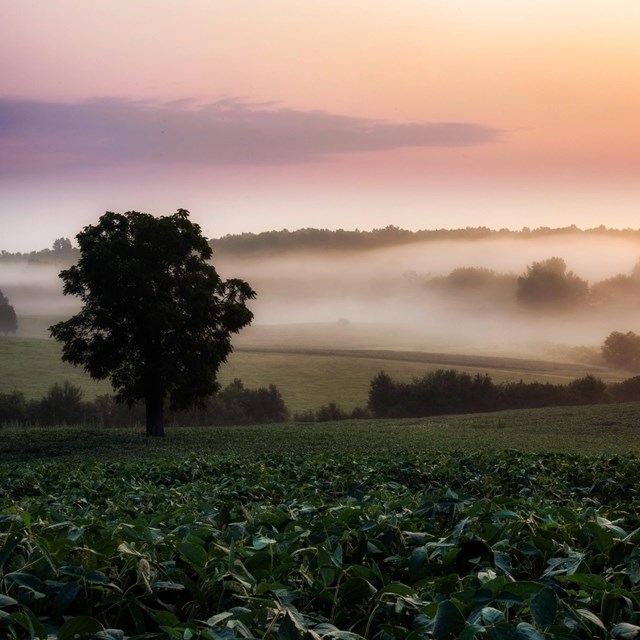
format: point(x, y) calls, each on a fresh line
point(157, 318)
point(448, 391)
point(622, 350)
point(547, 285)
point(8, 319)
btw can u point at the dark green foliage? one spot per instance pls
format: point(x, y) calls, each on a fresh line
point(63, 405)
point(156, 319)
point(322, 546)
point(547, 285)
point(236, 404)
point(448, 391)
point(587, 390)
point(626, 391)
point(331, 412)
point(13, 408)
point(622, 350)
point(8, 320)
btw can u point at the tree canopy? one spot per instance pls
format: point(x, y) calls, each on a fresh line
point(548, 285)
point(8, 320)
point(156, 318)
point(622, 350)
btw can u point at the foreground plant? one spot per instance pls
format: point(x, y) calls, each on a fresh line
point(502, 545)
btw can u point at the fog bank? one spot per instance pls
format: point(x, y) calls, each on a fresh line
point(389, 288)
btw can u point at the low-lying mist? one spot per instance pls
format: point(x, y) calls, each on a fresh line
point(404, 297)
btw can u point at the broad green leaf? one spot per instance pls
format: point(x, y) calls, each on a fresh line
point(491, 616)
point(7, 548)
point(79, 628)
point(356, 589)
point(398, 589)
point(217, 619)
point(65, 596)
point(449, 621)
point(518, 592)
point(166, 618)
point(625, 631)
point(525, 631)
point(194, 553)
point(588, 581)
point(591, 617)
point(6, 601)
point(261, 542)
point(28, 621)
point(544, 607)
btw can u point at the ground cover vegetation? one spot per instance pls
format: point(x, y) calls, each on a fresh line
point(376, 539)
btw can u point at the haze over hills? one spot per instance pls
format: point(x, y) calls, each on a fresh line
point(433, 290)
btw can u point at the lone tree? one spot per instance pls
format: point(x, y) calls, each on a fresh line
point(8, 320)
point(156, 319)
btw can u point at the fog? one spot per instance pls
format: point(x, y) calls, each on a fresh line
point(383, 298)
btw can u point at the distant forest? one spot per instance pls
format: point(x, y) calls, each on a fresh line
point(309, 239)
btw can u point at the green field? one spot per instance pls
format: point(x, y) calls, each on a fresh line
point(606, 429)
point(306, 377)
point(519, 525)
point(512, 525)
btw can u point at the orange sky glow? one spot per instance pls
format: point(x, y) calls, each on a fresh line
point(341, 113)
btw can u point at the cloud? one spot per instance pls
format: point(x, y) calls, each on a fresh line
point(102, 132)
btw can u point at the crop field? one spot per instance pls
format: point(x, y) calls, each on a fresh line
point(481, 526)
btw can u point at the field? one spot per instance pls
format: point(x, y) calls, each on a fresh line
point(311, 365)
point(513, 525)
point(481, 526)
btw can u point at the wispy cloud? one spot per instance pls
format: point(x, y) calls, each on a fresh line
point(41, 135)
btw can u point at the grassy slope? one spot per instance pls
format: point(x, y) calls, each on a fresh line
point(610, 429)
point(311, 365)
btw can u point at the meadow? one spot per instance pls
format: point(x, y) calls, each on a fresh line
point(310, 365)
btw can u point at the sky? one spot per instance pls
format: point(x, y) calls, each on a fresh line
point(271, 114)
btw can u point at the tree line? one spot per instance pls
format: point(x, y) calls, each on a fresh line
point(545, 286)
point(63, 404)
point(447, 391)
point(312, 239)
point(339, 239)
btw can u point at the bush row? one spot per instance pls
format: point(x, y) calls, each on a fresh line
point(449, 391)
point(63, 404)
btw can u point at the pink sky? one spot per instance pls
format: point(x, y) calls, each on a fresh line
point(340, 113)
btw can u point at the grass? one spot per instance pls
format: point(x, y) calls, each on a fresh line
point(603, 429)
point(307, 378)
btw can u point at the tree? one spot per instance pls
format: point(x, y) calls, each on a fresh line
point(622, 350)
point(8, 320)
point(548, 285)
point(157, 318)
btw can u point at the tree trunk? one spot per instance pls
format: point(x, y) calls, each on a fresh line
point(154, 406)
